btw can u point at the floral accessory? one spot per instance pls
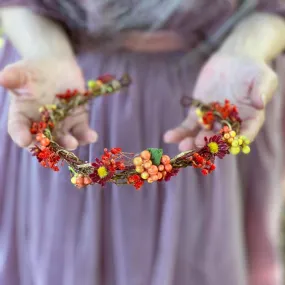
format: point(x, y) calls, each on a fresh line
point(151, 165)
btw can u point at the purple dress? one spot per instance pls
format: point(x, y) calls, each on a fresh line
point(192, 230)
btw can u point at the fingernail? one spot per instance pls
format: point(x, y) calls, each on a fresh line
point(167, 137)
point(93, 136)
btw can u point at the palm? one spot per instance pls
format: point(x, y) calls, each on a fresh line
point(35, 83)
point(247, 83)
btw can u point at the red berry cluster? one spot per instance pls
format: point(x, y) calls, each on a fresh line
point(38, 127)
point(67, 95)
point(46, 157)
point(199, 161)
point(112, 159)
point(136, 181)
point(226, 111)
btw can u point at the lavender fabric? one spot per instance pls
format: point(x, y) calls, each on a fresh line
point(192, 230)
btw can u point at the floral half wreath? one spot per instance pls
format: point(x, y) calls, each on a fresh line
point(116, 166)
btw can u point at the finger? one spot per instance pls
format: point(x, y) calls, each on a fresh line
point(84, 134)
point(19, 129)
point(68, 141)
point(200, 138)
point(77, 126)
point(186, 144)
point(262, 91)
point(14, 76)
point(251, 127)
point(188, 128)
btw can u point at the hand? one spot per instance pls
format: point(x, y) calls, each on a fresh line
point(246, 82)
point(33, 83)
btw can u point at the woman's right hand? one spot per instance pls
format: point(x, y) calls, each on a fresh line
point(35, 82)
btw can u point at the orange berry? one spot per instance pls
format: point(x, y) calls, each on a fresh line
point(226, 129)
point(137, 161)
point(161, 167)
point(164, 173)
point(153, 170)
point(45, 141)
point(147, 164)
point(39, 137)
point(144, 175)
point(139, 169)
point(165, 159)
point(86, 180)
point(154, 177)
point(168, 167)
point(79, 180)
point(159, 174)
point(145, 155)
point(149, 180)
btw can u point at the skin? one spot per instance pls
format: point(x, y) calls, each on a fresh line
point(238, 71)
point(48, 68)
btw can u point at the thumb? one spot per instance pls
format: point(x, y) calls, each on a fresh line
point(14, 76)
point(188, 128)
point(263, 91)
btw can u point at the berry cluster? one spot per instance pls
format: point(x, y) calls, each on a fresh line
point(151, 165)
point(148, 170)
point(237, 143)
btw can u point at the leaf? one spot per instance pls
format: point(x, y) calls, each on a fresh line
point(156, 154)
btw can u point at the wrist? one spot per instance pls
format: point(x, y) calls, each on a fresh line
point(35, 36)
point(260, 37)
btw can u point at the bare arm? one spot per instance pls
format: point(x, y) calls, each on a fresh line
point(261, 36)
point(34, 36)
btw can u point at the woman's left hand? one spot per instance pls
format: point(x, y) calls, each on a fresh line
point(246, 82)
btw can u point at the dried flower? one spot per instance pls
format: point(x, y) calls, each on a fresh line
point(217, 146)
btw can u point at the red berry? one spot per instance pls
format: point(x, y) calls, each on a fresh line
point(213, 167)
point(204, 171)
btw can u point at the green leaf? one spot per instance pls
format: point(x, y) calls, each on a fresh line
point(156, 154)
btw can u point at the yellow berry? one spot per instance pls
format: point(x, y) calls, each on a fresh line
point(233, 134)
point(73, 180)
point(227, 136)
point(199, 113)
point(240, 141)
point(235, 143)
point(246, 141)
point(235, 150)
point(138, 161)
point(230, 140)
point(246, 149)
point(139, 169)
point(145, 175)
point(91, 84)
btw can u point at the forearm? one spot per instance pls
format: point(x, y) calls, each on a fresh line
point(34, 36)
point(261, 36)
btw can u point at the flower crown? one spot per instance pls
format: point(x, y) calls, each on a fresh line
point(151, 165)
